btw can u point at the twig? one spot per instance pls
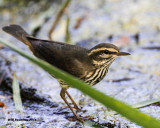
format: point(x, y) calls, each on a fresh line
point(59, 15)
point(1, 78)
point(152, 47)
point(119, 80)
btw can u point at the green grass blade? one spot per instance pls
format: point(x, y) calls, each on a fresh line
point(125, 110)
point(16, 95)
point(140, 104)
point(145, 103)
point(67, 36)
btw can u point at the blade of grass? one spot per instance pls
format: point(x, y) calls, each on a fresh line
point(145, 103)
point(140, 104)
point(67, 36)
point(125, 110)
point(16, 95)
point(58, 17)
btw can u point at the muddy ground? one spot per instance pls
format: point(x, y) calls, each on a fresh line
point(134, 26)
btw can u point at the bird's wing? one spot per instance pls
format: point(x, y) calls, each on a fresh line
point(64, 56)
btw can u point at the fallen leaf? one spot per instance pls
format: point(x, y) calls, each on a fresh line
point(4, 107)
point(79, 21)
point(122, 41)
point(1, 46)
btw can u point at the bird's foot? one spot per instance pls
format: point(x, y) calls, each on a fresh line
point(81, 119)
point(77, 108)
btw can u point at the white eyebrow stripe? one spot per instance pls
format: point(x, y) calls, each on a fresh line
point(95, 50)
point(112, 50)
point(102, 49)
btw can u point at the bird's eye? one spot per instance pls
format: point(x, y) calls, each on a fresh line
point(106, 51)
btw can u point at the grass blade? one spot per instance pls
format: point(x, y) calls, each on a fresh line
point(125, 110)
point(140, 104)
point(16, 95)
point(145, 103)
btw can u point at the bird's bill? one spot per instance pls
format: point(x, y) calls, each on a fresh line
point(122, 54)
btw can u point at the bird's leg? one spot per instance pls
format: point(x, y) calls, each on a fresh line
point(62, 94)
point(74, 103)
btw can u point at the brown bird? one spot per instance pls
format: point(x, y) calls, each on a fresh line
point(89, 65)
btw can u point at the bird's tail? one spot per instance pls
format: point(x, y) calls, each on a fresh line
point(18, 32)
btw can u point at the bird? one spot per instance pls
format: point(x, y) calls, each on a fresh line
point(89, 65)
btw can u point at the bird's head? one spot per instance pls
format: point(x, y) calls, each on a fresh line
point(105, 54)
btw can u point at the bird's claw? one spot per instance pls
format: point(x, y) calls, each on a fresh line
point(81, 119)
point(77, 109)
